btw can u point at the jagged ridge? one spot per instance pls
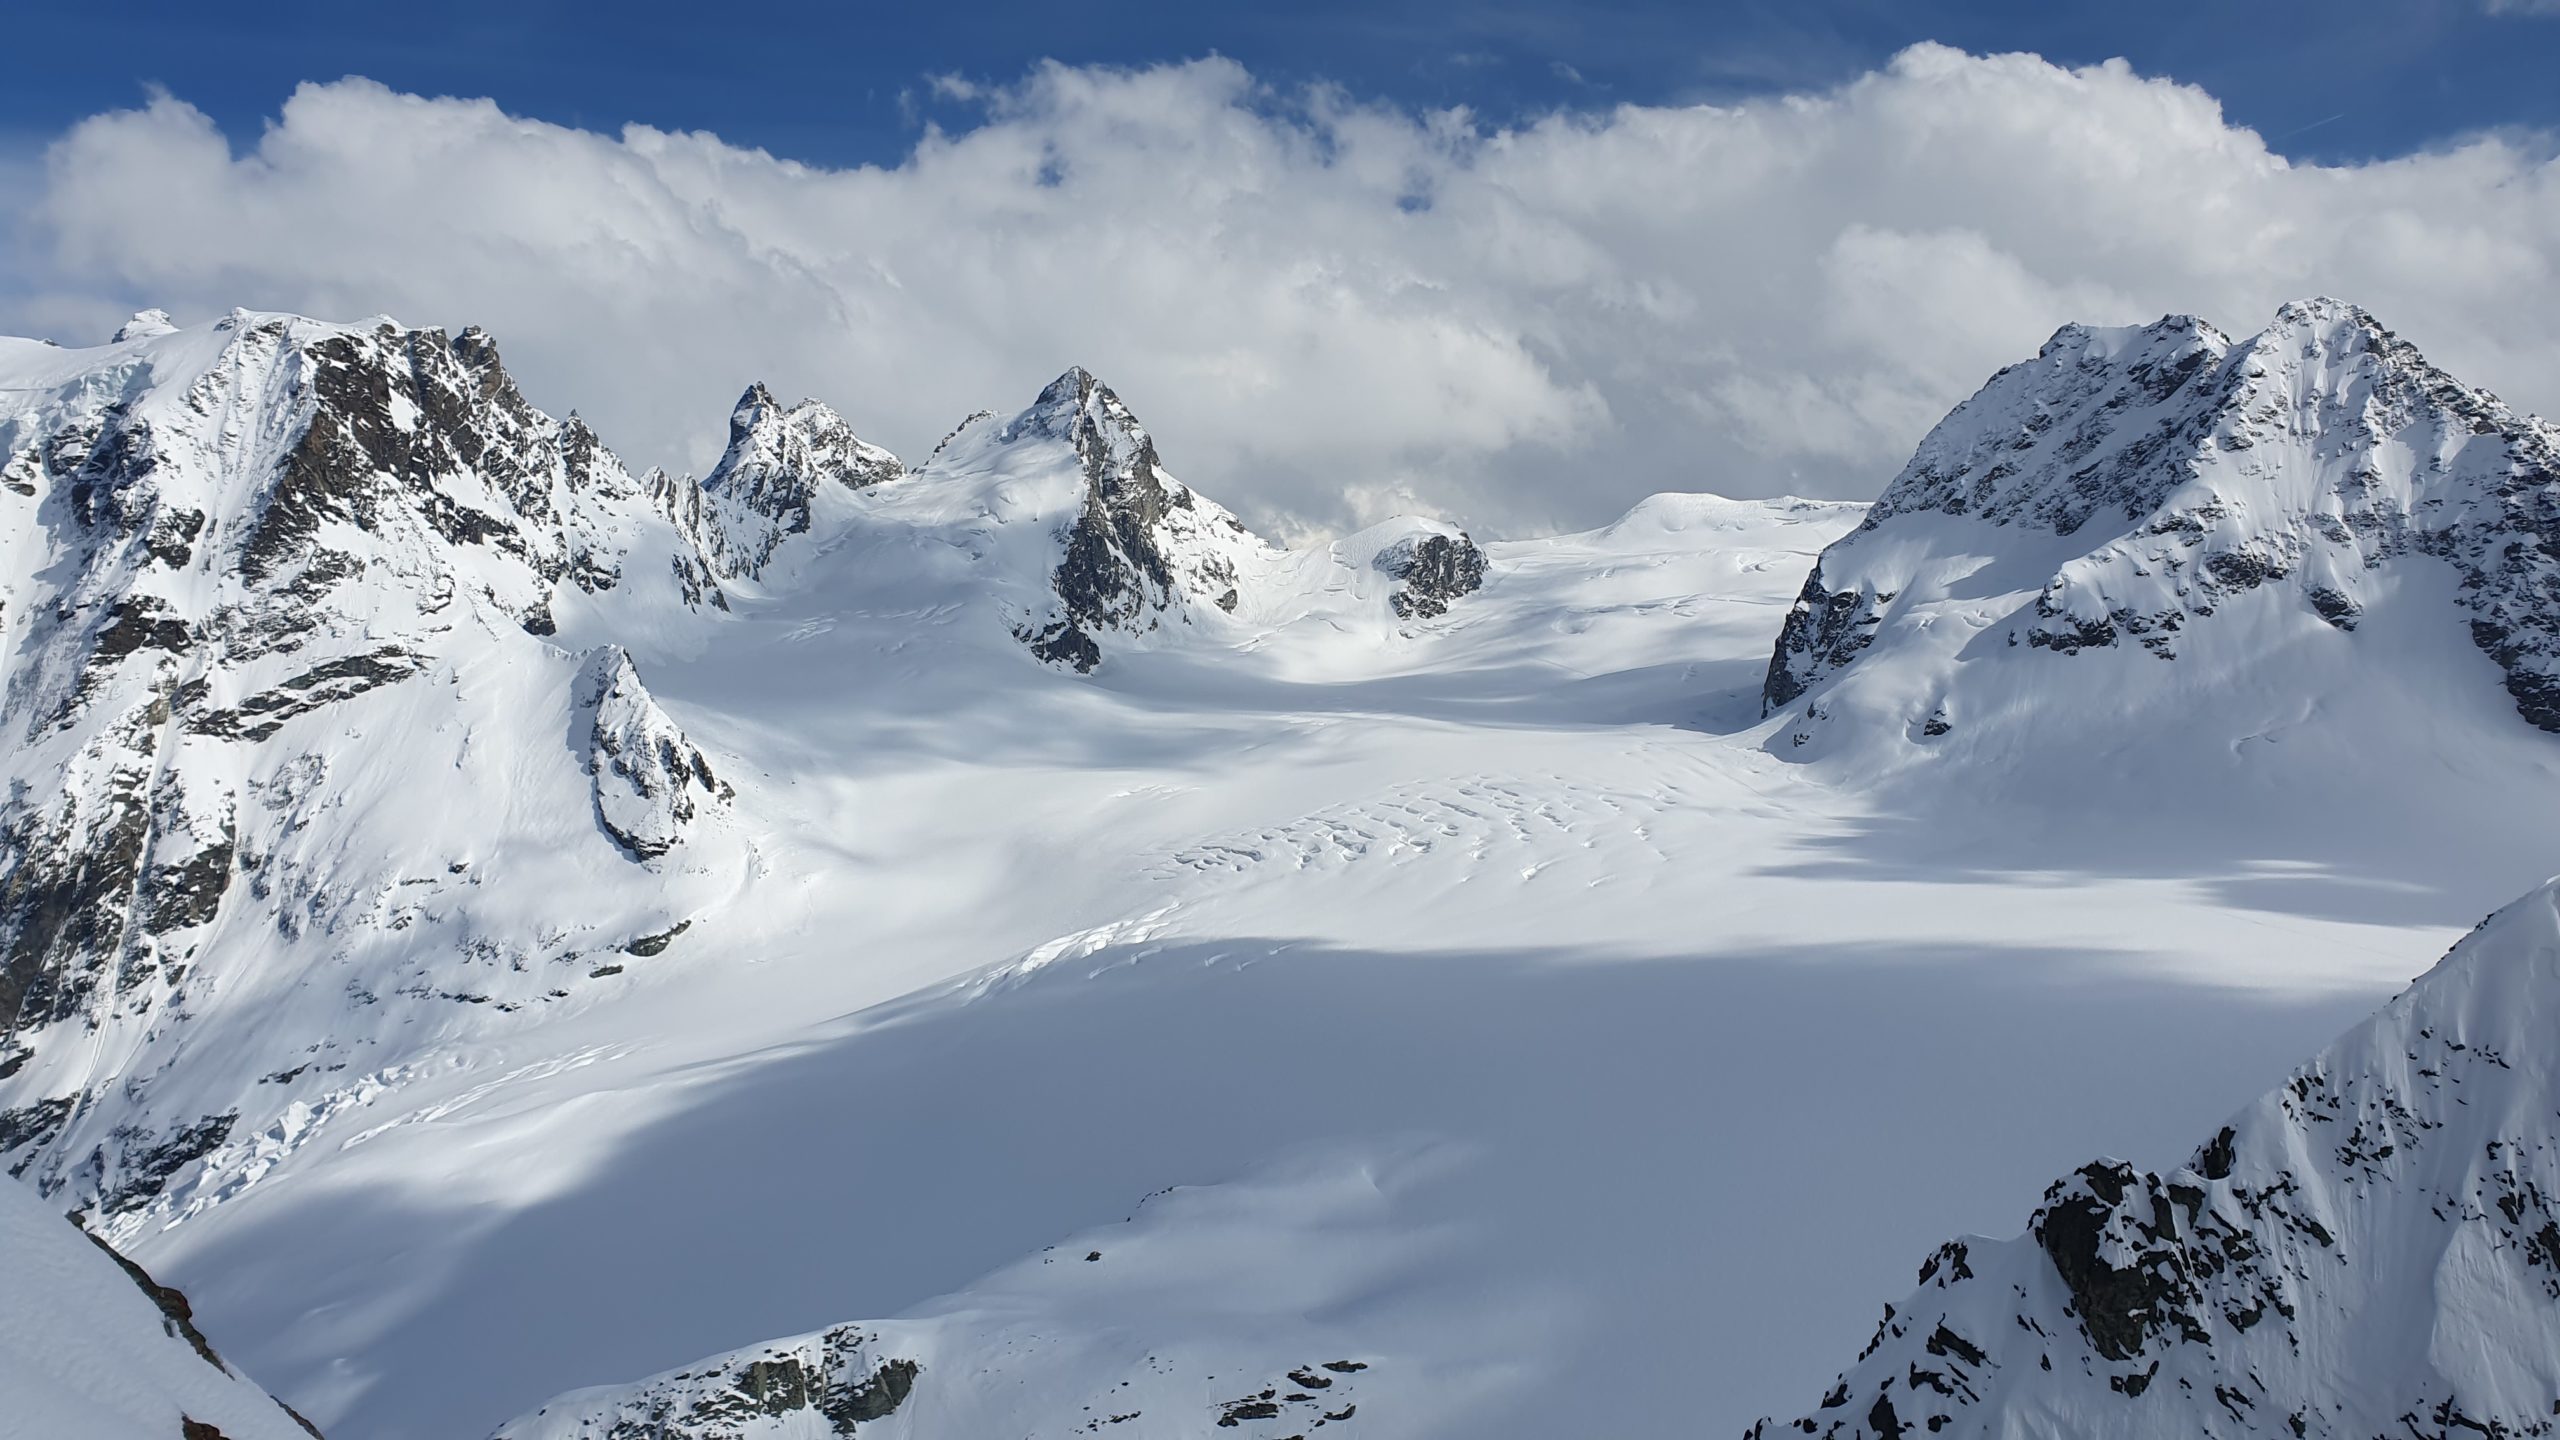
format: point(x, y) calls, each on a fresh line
point(2157, 475)
point(267, 535)
point(2372, 1249)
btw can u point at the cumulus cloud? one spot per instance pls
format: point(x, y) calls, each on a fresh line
point(1326, 308)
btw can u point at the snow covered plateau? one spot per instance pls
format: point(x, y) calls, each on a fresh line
point(989, 946)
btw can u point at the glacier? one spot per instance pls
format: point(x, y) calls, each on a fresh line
point(991, 944)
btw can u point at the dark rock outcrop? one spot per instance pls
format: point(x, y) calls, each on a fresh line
point(838, 1379)
point(1142, 547)
point(649, 780)
point(2371, 1249)
point(1433, 570)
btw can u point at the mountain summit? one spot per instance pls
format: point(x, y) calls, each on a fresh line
point(261, 576)
point(2164, 496)
point(1136, 550)
point(782, 464)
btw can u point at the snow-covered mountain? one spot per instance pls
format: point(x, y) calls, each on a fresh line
point(2373, 1248)
point(326, 662)
point(782, 468)
point(2183, 512)
point(471, 911)
point(91, 1346)
point(287, 698)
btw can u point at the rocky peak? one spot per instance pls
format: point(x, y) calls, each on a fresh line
point(650, 782)
point(2044, 442)
point(2327, 315)
point(769, 485)
point(1062, 403)
point(1143, 548)
point(2139, 481)
point(1119, 456)
point(756, 409)
point(253, 525)
point(1434, 569)
point(2371, 1248)
point(388, 474)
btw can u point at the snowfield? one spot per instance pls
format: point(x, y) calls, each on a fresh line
point(994, 947)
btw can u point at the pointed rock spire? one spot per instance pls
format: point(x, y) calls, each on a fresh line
point(778, 463)
point(649, 780)
point(1144, 549)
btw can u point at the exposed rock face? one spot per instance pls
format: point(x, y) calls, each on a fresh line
point(779, 464)
point(2372, 1249)
point(832, 1383)
point(221, 577)
point(2151, 477)
point(1823, 632)
point(1435, 570)
point(649, 779)
point(229, 552)
point(1143, 548)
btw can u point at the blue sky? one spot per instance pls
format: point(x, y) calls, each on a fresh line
point(838, 84)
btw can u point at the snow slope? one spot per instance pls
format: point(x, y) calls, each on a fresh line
point(1438, 922)
point(2371, 1249)
point(2197, 587)
point(90, 1347)
point(300, 776)
point(2153, 489)
point(1033, 947)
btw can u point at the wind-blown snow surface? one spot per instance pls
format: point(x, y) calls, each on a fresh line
point(1501, 1008)
point(92, 1348)
point(2371, 1249)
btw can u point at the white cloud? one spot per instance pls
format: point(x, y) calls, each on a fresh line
point(1325, 308)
